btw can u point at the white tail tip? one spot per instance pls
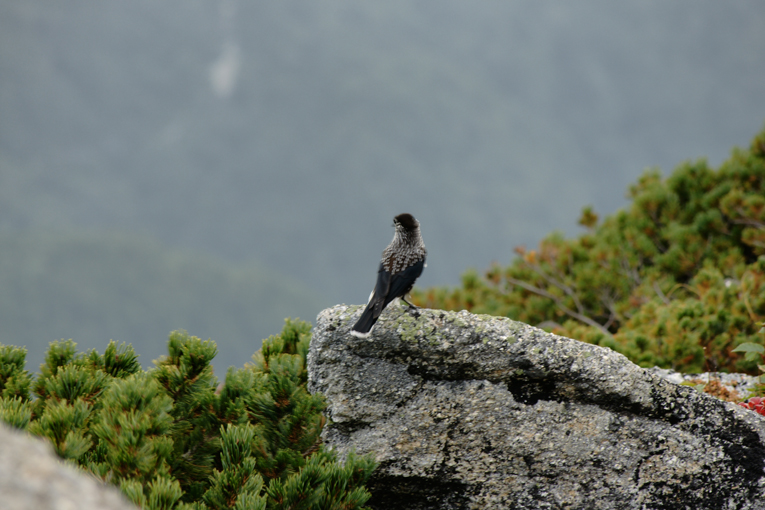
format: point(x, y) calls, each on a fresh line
point(359, 334)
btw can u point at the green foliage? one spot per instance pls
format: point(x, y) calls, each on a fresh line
point(288, 418)
point(755, 352)
point(341, 484)
point(173, 438)
point(133, 430)
point(14, 380)
point(187, 377)
point(162, 493)
point(677, 280)
point(238, 480)
point(117, 361)
point(15, 411)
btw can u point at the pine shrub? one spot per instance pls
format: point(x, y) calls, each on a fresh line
point(174, 438)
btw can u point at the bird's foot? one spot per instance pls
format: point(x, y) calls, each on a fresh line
point(411, 309)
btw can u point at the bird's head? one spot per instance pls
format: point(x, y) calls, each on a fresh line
point(405, 221)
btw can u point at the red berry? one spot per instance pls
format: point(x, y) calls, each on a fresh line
point(756, 404)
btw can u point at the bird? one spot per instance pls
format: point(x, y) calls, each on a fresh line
point(402, 263)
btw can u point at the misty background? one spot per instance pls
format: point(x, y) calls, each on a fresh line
point(220, 165)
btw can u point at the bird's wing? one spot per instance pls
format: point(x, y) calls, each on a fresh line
point(382, 290)
point(402, 282)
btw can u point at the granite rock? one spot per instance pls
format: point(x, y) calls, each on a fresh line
point(473, 411)
point(32, 477)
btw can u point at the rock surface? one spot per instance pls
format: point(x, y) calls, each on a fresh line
point(472, 411)
point(33, 478)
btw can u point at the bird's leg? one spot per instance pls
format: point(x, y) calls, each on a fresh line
point(411, 306)
point(412, 309)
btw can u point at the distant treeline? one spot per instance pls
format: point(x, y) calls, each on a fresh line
point(93, 286)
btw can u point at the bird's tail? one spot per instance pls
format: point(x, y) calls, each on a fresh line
point(363, 326)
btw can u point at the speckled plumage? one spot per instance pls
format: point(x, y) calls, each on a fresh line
point(402, 263)
point(406, 248)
